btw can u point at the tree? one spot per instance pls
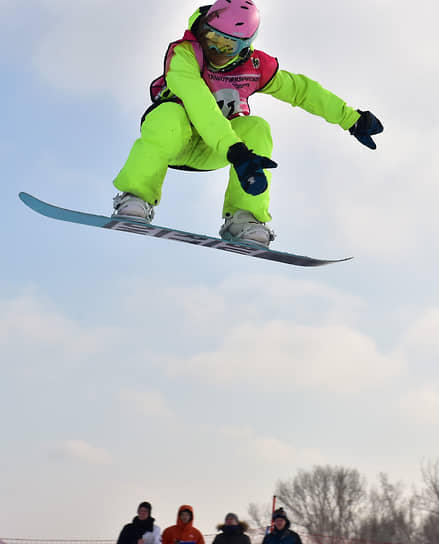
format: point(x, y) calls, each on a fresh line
point(333, 501)
point(429, 498)
point(260, 515)
point(429, 532)
point(391, 515)
point(326, 500)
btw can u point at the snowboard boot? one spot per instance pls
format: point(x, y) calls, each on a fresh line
point(243, 226)
point(132, 207)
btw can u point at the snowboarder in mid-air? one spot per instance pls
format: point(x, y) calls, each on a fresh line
point(200, 119)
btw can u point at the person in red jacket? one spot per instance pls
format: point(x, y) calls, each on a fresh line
point(183, 532)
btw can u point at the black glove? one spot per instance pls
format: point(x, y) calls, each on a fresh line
point(366, 126)
point(249, 168)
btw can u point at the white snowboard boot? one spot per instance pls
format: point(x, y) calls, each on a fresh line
point(243, 226)
point(133, 207)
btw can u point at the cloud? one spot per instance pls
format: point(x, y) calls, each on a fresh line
point(370, 202)
point(321, 351)
point(267, 448)
point(250, 298)
point(421, 406)
point(380, 212)
point(83, 451)
point(150, 403)
point(315, 340)
point(103, 48)
point(283, 356)
point(421, 340)
point(34, 332)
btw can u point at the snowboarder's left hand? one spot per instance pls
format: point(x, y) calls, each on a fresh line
point(365, 127)
point(249, 168)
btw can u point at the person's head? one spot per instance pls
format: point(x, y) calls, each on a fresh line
point(280, 519)
point(228, 30)
point(185, 514)
point(144, 510)
point(231, 519)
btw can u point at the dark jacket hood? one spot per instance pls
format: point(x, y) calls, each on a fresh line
point(242, 525)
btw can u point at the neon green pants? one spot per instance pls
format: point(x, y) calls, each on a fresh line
point(168, 138)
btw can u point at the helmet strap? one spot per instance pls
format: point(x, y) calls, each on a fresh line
point(243, 56)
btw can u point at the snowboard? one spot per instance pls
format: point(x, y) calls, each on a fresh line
point(147, 229)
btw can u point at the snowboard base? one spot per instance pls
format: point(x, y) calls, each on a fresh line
point(139, 227)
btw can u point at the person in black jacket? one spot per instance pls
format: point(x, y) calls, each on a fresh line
point(281, 532)
point(232, 531)
point(142, 530)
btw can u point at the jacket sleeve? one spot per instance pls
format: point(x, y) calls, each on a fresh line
point(299, 90)
point(156, 533)
point(200, 539)
point(297, 540)
point(184, 80)
point(123, 537)
point(167, 536)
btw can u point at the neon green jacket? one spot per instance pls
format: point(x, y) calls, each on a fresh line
point(184, 80)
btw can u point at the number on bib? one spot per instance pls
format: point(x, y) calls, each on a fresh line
point(228, 101)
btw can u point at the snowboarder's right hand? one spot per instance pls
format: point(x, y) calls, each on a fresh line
point(249, 168)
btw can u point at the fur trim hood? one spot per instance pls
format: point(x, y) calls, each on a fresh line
point(242, 524)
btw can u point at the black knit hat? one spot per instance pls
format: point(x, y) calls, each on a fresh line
point(280, 513)
point(145, 505)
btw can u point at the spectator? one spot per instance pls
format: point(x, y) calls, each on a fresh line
point(183, 532)
point(281, 532)
point(142, 530)
point(232, 531)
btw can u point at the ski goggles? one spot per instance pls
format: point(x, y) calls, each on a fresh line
point(223, 43)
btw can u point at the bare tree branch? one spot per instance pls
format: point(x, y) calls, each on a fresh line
point(429, 498)
point(326, 500)
point(259, 514)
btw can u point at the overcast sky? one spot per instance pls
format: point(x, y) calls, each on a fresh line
point(141, 369)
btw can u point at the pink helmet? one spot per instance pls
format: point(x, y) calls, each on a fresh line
point(238, 18)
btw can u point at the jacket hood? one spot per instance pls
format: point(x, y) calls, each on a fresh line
point(195, 16)
point(241, 524)
point(138, 521)
point(185, 507)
